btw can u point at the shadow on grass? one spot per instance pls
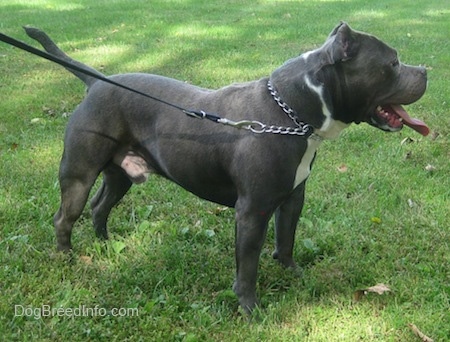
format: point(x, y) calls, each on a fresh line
point(214, 34)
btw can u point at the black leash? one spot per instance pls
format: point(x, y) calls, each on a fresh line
point(302, 129)
point(55, 59)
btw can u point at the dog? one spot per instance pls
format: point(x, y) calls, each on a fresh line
point(352, 78)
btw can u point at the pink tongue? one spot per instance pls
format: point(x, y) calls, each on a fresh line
point(415, 124)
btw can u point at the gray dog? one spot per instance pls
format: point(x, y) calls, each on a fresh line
point(352, 77)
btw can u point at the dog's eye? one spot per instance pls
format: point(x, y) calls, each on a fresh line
point(395, 63)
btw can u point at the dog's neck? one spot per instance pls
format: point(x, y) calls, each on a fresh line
point(329, 128)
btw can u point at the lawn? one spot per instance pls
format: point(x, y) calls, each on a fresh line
point(377, 208)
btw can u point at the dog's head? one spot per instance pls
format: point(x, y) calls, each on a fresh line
point(368, 82)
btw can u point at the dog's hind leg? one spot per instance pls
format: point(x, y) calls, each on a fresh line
point(85, 156)
point(74, 193)
point(115, 185)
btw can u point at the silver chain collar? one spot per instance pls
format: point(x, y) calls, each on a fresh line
point(303, 128)
point(284, 106)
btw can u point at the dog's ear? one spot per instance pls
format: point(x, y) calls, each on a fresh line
point(336, 29)
point(341, 44)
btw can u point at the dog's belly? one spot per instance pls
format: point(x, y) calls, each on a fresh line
point(304, 168)
point(214, 186)
point(221, 194)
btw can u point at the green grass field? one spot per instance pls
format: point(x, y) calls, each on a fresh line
point(169, 264)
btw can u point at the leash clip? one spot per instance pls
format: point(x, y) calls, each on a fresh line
point(251, 125)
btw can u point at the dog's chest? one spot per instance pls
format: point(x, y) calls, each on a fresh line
point(304, 168)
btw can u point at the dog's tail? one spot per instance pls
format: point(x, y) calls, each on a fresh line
point(53, 49)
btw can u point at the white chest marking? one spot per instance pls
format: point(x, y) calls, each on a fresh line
point(330, 128)
point(304, 168)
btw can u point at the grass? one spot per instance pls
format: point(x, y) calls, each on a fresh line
point(384, 220)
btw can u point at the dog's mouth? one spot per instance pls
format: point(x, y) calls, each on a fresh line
point(392, 118)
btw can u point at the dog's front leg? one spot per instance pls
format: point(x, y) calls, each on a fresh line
point(251, 228)
point(286, 219)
